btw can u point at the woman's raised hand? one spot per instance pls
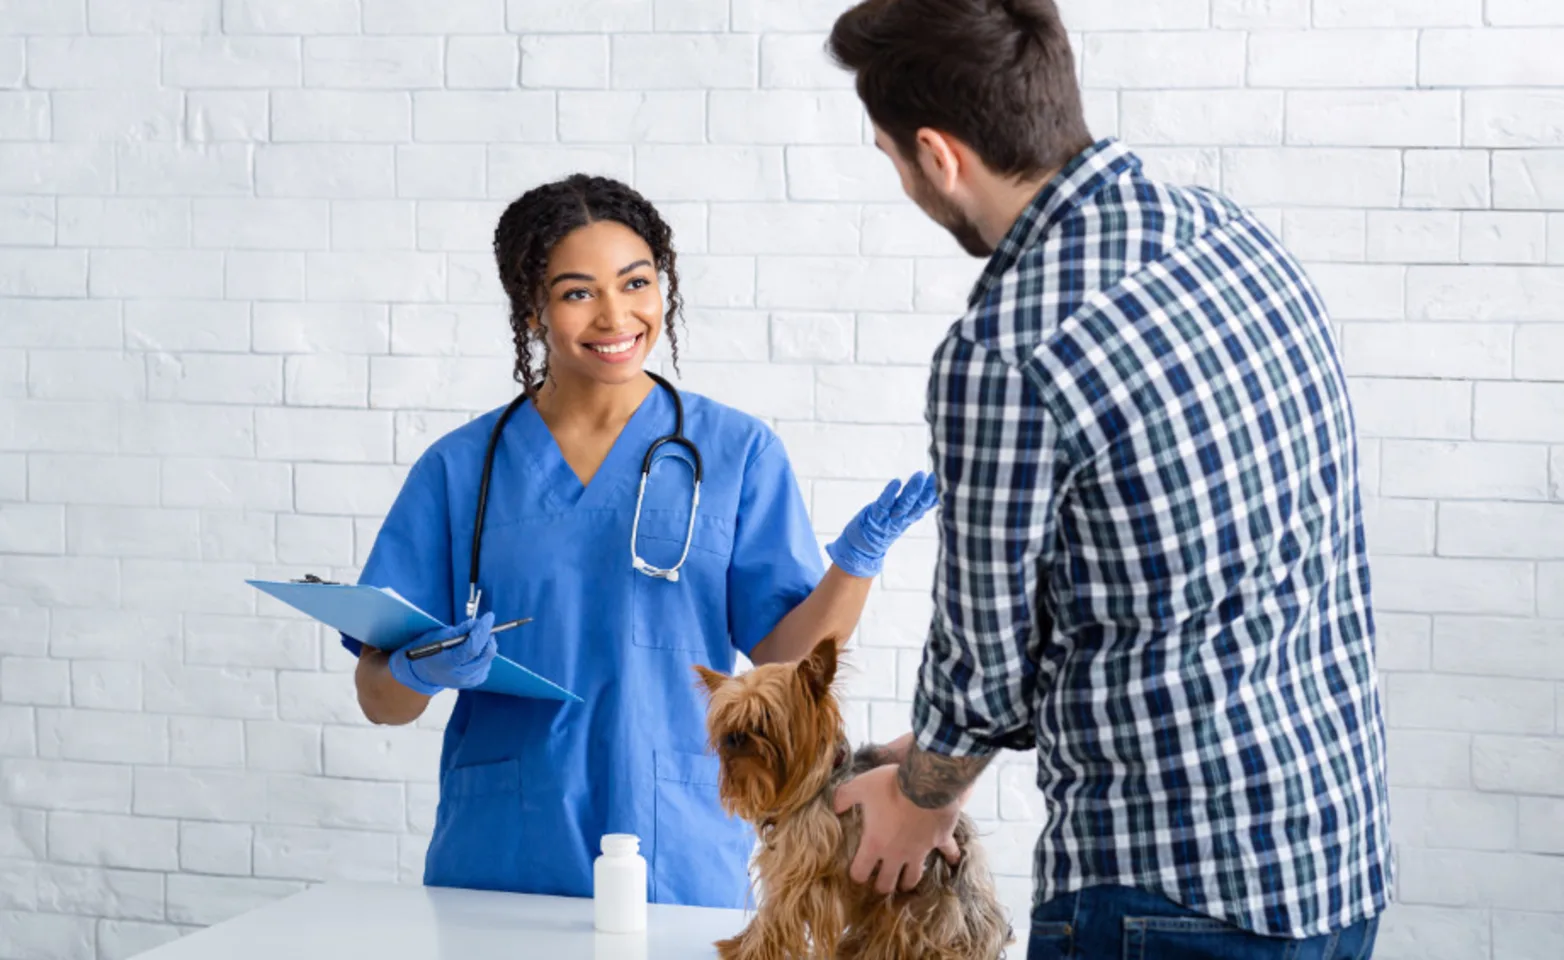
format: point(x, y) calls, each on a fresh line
point(860, 550)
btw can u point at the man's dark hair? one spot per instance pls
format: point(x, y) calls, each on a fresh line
point(996, 74)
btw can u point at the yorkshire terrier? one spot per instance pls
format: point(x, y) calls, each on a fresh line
point(783, 749)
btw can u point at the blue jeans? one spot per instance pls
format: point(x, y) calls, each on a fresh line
point(1121, 923)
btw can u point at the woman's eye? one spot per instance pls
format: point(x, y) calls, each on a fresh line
point(636, 283)
point(577, 294)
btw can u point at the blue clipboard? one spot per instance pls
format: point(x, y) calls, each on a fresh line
point(380, 617)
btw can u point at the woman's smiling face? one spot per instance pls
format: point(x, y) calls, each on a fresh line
point(604, 309)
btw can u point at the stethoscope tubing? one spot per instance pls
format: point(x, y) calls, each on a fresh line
point(676, 438)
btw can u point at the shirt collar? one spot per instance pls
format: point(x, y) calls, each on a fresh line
point(1085, 174)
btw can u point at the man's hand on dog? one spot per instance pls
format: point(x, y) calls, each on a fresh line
point(897, 834)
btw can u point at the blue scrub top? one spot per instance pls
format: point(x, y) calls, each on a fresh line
point(528, 787)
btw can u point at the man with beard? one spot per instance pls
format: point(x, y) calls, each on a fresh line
point(1152, 569)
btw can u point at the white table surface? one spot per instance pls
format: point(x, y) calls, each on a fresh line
point(337, 921)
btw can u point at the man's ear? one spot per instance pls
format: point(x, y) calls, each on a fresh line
point(710, 679)
point(819, 668)
point(939, 158)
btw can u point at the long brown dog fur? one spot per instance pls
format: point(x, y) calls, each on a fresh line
point(778, 732)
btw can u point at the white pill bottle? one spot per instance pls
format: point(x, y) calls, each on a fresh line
point(619, 885)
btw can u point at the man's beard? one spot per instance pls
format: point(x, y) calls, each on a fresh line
point(945, 213)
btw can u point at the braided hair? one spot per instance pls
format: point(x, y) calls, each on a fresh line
point(543, 216)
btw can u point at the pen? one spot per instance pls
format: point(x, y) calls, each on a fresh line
point(430, 649)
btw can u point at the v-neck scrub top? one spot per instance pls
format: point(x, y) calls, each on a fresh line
point(528, 787)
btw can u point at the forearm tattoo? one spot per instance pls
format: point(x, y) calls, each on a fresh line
point(932, 781)
point(876, 755)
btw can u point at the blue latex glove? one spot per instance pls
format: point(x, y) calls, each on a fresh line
point(860, 550)
point(458, 668)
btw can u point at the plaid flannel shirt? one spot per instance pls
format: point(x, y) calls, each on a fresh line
point(1153, 568)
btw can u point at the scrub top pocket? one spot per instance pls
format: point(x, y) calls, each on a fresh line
point(672, 615)
point(701, 854)
point(478, 841)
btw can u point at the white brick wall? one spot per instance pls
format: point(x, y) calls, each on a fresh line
point(245, 280)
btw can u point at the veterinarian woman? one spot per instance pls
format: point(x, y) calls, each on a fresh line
point(529, 786)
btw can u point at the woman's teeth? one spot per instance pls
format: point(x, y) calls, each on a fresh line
point(615, 347)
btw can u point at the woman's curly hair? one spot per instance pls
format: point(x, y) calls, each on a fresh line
point(543, 216)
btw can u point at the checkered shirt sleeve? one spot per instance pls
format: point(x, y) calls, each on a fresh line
point(994, 451)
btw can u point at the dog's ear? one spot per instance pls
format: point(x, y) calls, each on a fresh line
point(819, 668)
point(710, 679)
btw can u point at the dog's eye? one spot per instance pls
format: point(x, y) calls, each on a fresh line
point(735, 741)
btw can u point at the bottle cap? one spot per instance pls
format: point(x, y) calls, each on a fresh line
point(621, 844)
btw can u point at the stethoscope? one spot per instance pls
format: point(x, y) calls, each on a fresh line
point(676, 438)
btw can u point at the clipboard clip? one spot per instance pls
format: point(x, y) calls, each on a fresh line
point(311, 578)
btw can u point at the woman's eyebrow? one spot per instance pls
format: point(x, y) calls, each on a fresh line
point(588, 278)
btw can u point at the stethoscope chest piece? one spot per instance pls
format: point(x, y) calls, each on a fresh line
point(670, 574)
point(641, 566)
